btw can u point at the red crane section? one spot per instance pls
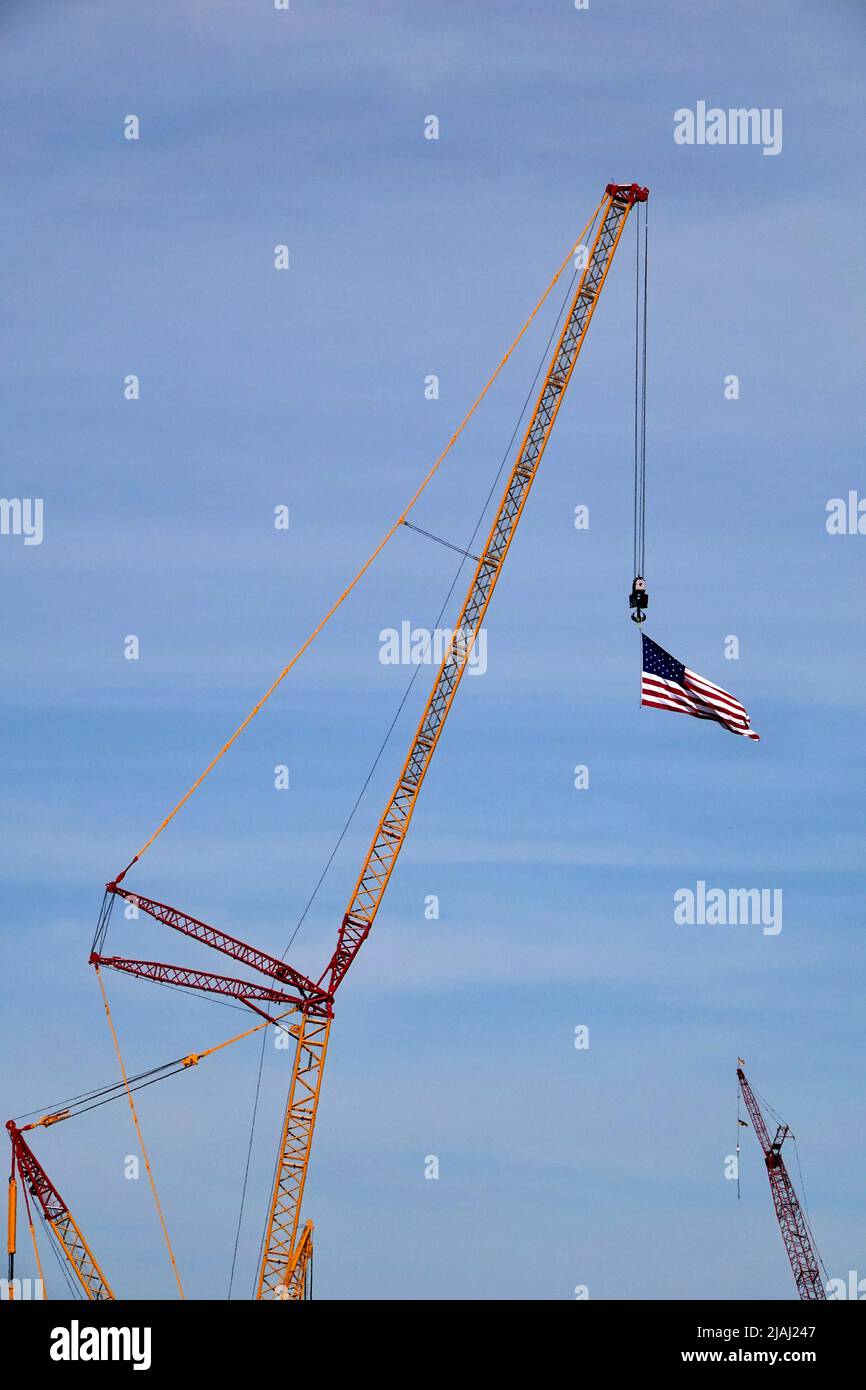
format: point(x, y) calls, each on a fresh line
point(57, 1215)
point(229, 945)
point(246, 991)
point(800, 1247)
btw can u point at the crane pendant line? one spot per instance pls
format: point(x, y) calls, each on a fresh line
point(359, 574)
point(799, 1245)
point(314, 1029)
point(394, 823)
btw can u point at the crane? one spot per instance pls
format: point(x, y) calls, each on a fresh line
point(285, 1271)
point(799, 1243)
point(36, 1182)
point(313, 1031)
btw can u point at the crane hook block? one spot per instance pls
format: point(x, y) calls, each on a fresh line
point(630, 193)
point(638, 599)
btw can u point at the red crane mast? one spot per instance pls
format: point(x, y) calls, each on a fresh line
point(800, 1247)
point(59, 1219)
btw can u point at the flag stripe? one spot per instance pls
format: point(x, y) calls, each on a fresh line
point(674, 697)
point(710, 685)
point(713, 693)
point(677, 709)
point(712, 699)
point(667, 690)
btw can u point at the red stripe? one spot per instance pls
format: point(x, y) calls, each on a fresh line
point(708, 692)
point(728, 707)
point(725, 713)
point(666, 698)
point(713, 693)
point(677, 709)
point(658, 693)
point(666, 695)
point(673, 690)
point(702, 680)
point(733, 711)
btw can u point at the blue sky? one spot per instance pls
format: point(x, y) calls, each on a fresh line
point(305, 388)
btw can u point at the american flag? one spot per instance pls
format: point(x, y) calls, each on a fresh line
point(667, 684)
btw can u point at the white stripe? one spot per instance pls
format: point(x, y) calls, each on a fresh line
point(710, 685)
point(673, 695)
point(669, 687)
point(670, 695)
point(728, 705)
point(654, 703)
point(725, 713)
point(714, 692)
